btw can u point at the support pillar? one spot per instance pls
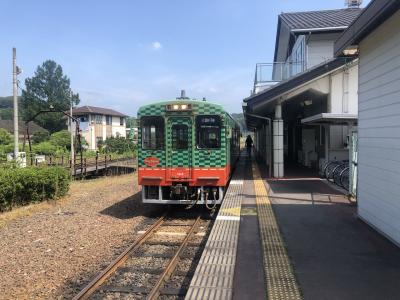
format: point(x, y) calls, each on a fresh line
point(278, 143)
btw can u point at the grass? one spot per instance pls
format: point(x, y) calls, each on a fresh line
point(77, 187)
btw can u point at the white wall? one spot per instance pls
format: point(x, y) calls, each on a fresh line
point(320, 48)
point(379, 129)
point(117, 128)
point(344, 91)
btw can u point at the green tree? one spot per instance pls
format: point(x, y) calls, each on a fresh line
point(49, 87)
point(45, 148)
point(61, 139)
point(118, 145)
point(40, 136)
point(6, 114)
point(5, 137)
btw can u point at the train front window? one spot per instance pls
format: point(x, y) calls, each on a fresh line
point(208, 130)
point(179, 137)
point(152, 133)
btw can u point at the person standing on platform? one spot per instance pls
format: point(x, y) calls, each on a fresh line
point(249, 145)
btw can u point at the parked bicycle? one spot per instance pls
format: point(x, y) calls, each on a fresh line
point(337, 172)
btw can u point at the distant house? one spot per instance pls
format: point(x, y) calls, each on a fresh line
point(97, 124)
point(33, 128)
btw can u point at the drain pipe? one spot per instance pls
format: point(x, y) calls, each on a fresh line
point(270, 140)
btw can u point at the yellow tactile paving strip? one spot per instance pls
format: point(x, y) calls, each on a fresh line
point(279, 275)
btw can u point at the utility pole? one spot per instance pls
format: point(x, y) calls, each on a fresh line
point(72, 132)
point(15, 94)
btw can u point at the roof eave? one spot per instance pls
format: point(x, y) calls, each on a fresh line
point(370, 18)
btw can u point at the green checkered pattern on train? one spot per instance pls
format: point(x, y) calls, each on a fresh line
point(182, 157)
point(143, 153)
point(151, 110)
point(214, 158)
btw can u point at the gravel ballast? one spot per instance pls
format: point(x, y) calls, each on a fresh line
point(55, 251)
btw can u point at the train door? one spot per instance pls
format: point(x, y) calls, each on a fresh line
point(179, 149)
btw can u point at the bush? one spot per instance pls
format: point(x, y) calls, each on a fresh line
point(45, 148)
point(61, 139)
point(20, 186)
point(40, 136)
point(5, 137)
point(118, 145)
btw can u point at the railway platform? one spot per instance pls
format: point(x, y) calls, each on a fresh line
point(292, 239)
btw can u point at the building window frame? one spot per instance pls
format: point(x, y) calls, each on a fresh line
point(99, 119)
point(108, 120)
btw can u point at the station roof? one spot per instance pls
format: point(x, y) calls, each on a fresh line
point(323, 19)
point(96, 110)
point(373, 15)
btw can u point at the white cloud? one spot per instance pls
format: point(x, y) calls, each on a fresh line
point(156, 46)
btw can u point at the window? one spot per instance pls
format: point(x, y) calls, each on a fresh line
point(179, 137)
point(121, 121)
point(99, 119)
point(108, 120)
point(84, 118)
point(208, 130)
point(152, 132)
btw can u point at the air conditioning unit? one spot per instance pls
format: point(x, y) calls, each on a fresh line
point(353, 3)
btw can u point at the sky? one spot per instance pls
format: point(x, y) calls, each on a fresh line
point(122, 54)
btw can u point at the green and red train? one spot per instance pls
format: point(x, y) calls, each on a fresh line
point(186, 153)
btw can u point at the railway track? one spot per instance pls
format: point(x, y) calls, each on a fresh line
point(150, 267)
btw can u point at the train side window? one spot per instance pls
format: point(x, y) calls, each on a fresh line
point(179, 137)
point(208, 130)
point(152, 133)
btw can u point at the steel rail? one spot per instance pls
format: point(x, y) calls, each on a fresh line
point(103, 276)
point(155, 292)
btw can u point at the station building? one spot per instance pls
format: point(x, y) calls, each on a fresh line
point(375, 36)
point(303, 108)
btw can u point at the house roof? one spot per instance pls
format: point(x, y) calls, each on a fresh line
point(9, 126)
point(96, 110)
point(373, 15)
point(323, 19)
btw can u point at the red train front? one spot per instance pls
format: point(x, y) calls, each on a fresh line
point(187, 150)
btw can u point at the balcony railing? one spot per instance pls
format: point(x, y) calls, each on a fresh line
point(269, 74)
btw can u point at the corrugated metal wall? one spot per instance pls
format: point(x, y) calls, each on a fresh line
point(379, 129)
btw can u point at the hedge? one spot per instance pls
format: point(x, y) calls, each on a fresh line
point(20, 186)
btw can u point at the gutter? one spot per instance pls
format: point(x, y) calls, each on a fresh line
point(319, 29)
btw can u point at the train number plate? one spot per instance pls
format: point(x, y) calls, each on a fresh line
point(180, 173)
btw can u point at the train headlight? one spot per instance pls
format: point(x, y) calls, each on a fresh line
point(177, 107)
